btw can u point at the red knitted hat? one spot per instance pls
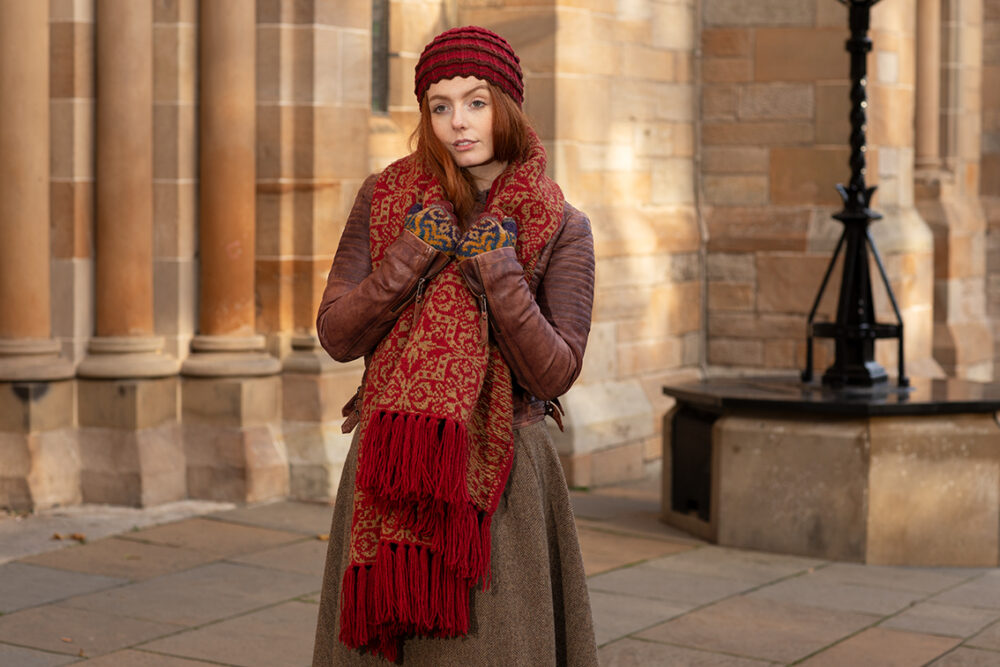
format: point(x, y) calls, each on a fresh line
point(470, 51)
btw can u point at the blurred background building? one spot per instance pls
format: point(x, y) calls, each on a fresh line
point(175, 175)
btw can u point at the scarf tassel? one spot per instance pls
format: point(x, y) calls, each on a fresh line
point(460, 534)
point(424, 599)
point(409, 458)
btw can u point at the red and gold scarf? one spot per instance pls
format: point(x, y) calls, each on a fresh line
point(437, 437)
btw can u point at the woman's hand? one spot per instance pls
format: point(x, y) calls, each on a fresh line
point(542, 336)
point(488, 233)
point(361, 304)
point(435, 225)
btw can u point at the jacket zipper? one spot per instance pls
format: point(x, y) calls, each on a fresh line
point(419, 300)
point(484, 330)
point(406, 298)
point(416, 290)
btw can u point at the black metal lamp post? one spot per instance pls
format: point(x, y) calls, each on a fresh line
point(855, 329)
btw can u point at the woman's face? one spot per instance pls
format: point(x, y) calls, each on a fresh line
point(462, 118)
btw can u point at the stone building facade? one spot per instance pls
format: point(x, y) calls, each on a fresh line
point(174, 177)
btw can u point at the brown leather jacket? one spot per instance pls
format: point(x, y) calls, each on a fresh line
point(541, 326)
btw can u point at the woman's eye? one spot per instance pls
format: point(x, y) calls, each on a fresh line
point(478, 104)
point(439, 108)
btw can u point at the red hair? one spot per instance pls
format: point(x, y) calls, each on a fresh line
point(510, 144)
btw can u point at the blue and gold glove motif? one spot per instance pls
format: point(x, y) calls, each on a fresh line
point(489, 233)
point(435, 225)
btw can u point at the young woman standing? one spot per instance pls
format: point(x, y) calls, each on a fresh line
point(466, 282)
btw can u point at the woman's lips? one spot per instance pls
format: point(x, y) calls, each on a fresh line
point(464, 145)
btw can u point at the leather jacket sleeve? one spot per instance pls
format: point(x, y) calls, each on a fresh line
point(542, 338)
point(359, 305)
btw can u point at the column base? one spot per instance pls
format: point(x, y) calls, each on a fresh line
point(131, 450)
point(229, 356)
point(116, 357)
point(314, 391)
point(32, 360)
point(963, 332)
point(232, 436)
point(39, 456)
point(965, 349)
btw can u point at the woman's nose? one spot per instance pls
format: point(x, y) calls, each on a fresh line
point(457, 120)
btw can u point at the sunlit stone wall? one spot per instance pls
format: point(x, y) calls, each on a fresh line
point(774, 143)
point(702, 138)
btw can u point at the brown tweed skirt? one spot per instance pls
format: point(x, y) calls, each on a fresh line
point(536, 612)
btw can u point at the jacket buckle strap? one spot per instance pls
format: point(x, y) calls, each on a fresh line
point(555, 410)
point(352, 412)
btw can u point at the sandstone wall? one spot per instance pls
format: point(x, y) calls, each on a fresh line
point(774, 131)
point(990, 175)
point(72, 82)
point(948, 199)
point(610, 87)
point(703, 139)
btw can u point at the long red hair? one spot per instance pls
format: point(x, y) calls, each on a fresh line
point(510, 144)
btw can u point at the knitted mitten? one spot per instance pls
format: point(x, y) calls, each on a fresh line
point(488, 233)
point(434, 224)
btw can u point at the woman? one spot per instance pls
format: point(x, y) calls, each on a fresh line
point(466, 282)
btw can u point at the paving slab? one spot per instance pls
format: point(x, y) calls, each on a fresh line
point(288, 515)
point(199, 595)
point(210, 536)
point(606, 505)
point(23, 585)
point(27, 657)
point(988, 638)
point(646, 581)
point(752, 566)
point(138, 658)
point(616, 616)
point(634, 653)
point(640, 524)
point(121, 558)
point(305, 557)
point(607, 551)
point(24, 535)
point(913, 579)
point(92, 632)
point(633, 507)
point(280, 635)
point(878, 647)
point(968, 657)
point(982, 591)
point(814, 591)
point(756, 628)
point(942, 619)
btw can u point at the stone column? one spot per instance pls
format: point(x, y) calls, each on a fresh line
point(130, 446)
point(928, 139)
point(38, 459)
point(27, 351)
point(948, 196)
point(125, 345)
point(231, 391)
point(313, 156)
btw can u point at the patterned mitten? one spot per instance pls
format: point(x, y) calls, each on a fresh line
point(488, 233)
point(435, 225)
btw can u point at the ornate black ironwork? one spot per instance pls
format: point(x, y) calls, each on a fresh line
point(855, 329)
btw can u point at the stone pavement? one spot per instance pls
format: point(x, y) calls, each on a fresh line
point(239, 586)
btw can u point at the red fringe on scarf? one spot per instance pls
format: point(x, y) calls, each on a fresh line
point(414, 457)
point(416, 467)
point(407, 592)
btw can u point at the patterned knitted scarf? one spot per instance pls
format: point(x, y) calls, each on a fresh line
point(437, 440)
